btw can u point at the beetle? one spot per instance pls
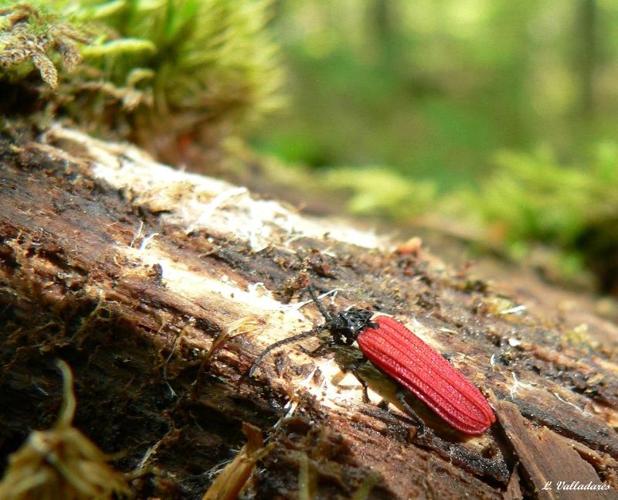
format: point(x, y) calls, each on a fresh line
point(404, 357)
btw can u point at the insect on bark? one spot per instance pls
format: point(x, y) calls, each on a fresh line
point(404, 357)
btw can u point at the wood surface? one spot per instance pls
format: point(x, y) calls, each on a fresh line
point(132, 271)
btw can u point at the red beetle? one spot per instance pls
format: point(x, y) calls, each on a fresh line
point(404, 357)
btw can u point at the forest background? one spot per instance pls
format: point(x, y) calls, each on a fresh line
point(494, 121)
point(497, 118)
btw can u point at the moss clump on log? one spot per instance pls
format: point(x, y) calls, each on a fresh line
point(129, 65)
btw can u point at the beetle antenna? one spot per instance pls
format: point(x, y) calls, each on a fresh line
point(314, 296)
point(281, 343)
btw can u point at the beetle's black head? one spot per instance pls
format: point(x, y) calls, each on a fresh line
point(345, 326)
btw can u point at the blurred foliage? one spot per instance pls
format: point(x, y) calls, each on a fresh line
point(532, 199)
point(195, 61)
point(491, 107)
point(433, 88)
point(61, 462)
point(378, 191)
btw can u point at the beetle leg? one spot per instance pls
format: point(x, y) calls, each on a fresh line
point(383, 405)
point(355, 367)
point(401, 396)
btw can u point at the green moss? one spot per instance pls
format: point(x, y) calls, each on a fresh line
point(30, 37)
point(212, 58)
point(211, 61)
point(537, 198)
point(533, 199)
point(380, 191)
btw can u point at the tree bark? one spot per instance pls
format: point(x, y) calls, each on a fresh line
point(160, 288)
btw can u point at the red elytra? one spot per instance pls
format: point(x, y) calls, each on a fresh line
point(416, 366)
point(403, 356)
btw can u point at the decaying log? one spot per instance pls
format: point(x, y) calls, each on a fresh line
point(159, 288)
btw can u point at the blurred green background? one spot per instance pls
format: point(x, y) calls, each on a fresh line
point(433, 87)
point(499, 115)
point(491, 121)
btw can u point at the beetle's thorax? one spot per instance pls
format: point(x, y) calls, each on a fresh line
point(346, 326)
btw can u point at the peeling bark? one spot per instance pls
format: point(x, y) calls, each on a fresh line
point(130, 271)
